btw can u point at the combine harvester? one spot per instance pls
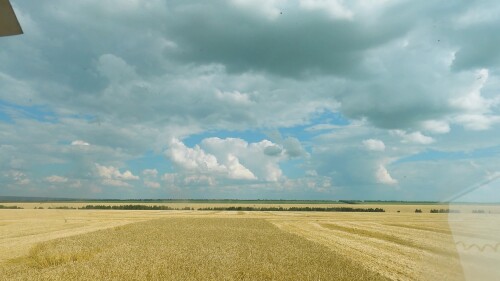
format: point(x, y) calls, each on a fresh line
point(9, 25)
point(476, 228)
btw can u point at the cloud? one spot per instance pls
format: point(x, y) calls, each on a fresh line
point(420, 77)
point(334, 47)
point(269, 9)
point(115, 182)
point(115, 68)
point(56, 179)
point(196, 180)
point(112, 176)
point(414, 137)
point(323, 127)
point(436, 126)
point(196, 160)
point(477, 122)
point(293, 147)
point(150, 172)
point(80, 142)
point(112, 173)
point(193, 159)
point(252, 155)
point(18, 177)
point(384, 177)
point(233, 97)
point(374, 145)
point(152, 184)
point(334, 8)
point(273, 150)
point(238, 171)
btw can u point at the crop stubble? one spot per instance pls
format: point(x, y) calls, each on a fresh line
point(196, 245)
point(185, 249)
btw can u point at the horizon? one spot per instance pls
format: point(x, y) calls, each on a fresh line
point(13, 199)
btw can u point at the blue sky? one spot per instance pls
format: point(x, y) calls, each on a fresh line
point(282, 99)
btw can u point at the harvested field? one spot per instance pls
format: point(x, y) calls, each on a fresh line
point(245, 245)
point(185, 249)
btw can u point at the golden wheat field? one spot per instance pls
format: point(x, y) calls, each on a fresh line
point(53, 244)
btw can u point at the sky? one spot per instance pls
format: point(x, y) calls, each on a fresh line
point(251, 99)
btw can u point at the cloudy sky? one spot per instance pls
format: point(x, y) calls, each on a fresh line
point(291, 99)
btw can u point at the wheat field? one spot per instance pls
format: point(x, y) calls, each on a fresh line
point(245, 245)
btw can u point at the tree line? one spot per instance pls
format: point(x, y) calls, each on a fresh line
point(294, 209)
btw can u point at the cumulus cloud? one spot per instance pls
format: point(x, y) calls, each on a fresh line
point(115, 68)
point(115, 182)
point(198, 161)
point(477, 122)
point(410, 73)
point(193, 159)
point(238, 171)
point(414, 137)
point(194, 180)
point(383, 176)
point(293, 147)
point(273, 150)
point(150, 172)
point(252, 155)
point(436, 126)
point(323, 127)
point(152, 184)
point(110, 172)
point(233, 97)
point(334, 8)
point(269, 9)
point(112, 176)
point(374, 145)
point(80, 142)
point(18, 177)
point(56, 179)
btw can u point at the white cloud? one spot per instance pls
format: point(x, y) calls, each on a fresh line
point(323, 127)
point(152, 184)
point(477, 122)
point(383, 176)
point(273, 150)
point(110, 172)
point(115, 182)
point(238, 171)
point(198, 161)
point(56, 179)
point(150, 172)
point(436, 126)
point(18, 177)
point(374, 145)
point(80, 142)
point(293, 147)
point(408, 73)
point(115, 68)
point(168, 178)
point(200, 180)
point(267, 8)
point(193, 159)
point(414, 137)
point(235, 97)
point(335, 8)
point(476, 110)
point(311, 173)
point(252, 156)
